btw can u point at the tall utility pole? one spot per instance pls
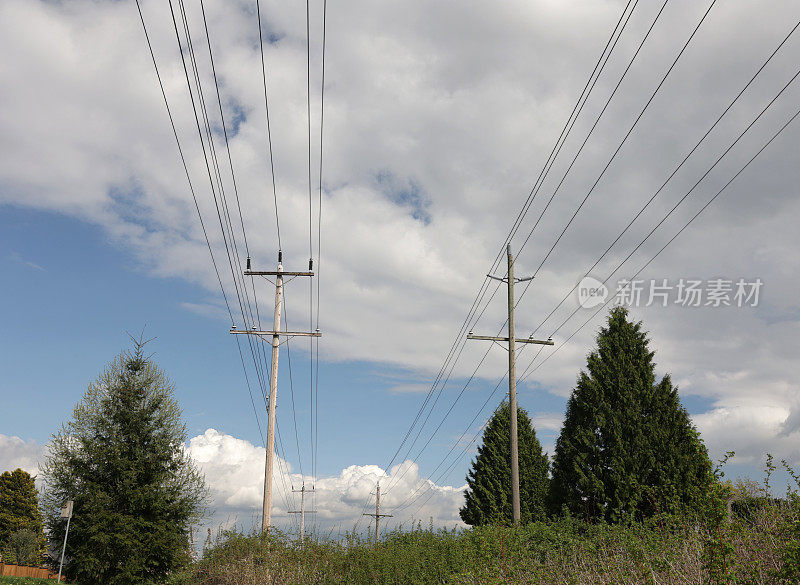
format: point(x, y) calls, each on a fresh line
point(512, 378)
point(377, 515)
point(302, 511)
point(275, 336)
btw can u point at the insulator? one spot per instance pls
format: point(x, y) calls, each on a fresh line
point(248, 262)
point(310, 264)
point(280, 256)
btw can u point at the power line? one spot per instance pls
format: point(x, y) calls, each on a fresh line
point(315, 356)
point(269, 133)
point(560, 141)
point(675, 171)
point(569, 124)
point(646, 264)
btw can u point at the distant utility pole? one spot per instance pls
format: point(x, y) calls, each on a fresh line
point(302, 511)
point(275, 336)
point(377, 515)
point(512, 377)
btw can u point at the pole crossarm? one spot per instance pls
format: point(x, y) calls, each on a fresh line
point(516, 339)
point(273, 333)
point(505, 278)
point(275, 273)
point(377, 515)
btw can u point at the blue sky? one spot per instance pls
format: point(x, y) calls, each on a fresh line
point(435, 131)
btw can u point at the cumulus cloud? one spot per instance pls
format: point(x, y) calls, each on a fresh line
point(234, 470)
point(19, 453)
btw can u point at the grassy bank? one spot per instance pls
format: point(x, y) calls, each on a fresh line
point(25, 581)
point(752, 548)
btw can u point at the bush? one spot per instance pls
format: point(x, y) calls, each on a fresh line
point(24, 545)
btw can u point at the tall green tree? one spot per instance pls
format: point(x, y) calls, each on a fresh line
point(19, 511)
point(627, 448)
point(488, 493)
point(121, 459)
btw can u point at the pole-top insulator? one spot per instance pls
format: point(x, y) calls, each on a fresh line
point(280, 255)
point(233, 327)
point(310, 264)
point(248, 262)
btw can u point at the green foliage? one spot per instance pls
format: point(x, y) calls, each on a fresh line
point(628, 449)
point(488, 493)
point(20, 518)
point(121, 459)
point(663, 549)
point(25, 581)
point(790, 553)
point(26, 546)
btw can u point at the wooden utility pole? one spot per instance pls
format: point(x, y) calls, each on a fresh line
point(275, 336)
point(377, 515)
point(302, 511)
point(512, 379)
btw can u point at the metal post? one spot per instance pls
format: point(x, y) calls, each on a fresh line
point(512, 393)
point(63, 549)
point(273, 391)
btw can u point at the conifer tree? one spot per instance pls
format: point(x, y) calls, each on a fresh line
point(121, 459)
point(627, 448)
point(488, 493)
point(19, 512)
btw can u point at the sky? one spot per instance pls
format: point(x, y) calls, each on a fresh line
point(438, 119)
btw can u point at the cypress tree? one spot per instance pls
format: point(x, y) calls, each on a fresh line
point(488, 493)
point(121, 459)
point(627, 448)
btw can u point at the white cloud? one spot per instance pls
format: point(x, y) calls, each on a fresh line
point(18, 453)
point(234, 470)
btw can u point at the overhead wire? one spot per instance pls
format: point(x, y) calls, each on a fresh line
point(675, 171)
point(674, 237)
point(269, 131)
point(565, 132)
point(315, 354)
point(719, 118)
point(551, 159)
point(684, 198)
point(233, 259)
point(194, 198)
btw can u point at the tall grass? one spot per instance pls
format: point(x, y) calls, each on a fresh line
point(754, 540)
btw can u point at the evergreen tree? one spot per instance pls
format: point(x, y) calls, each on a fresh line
point(121, 459)
point(488, 493)
point(627, 448)
point(19, 511)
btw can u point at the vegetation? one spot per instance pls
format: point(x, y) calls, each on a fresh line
point(488, 493)
point(753, 546)
point(628, 448)
point(121, 459)
point(26, 581)
point(22, 539)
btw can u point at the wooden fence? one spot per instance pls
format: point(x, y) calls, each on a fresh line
point(18, 571)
